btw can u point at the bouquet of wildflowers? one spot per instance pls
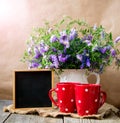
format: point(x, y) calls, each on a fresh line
point(71, 44)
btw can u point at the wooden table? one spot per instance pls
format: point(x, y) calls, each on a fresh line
point(17, 118)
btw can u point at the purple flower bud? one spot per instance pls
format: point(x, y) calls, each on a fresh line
point(117, 39)
point(113, 52)
point(79, 56)
point(82, 66)
point(53, 38)
point(63, 58)
point(102, 35)
point(88, 42)
point(44, 49)
point(103, 50)
point(89, 37)
point(54, 49)
point(88, 62)
point(49, 30)
point(47, 67)
point(42, 44)
point(108, 47)
point(64, 40)
point(52, 57)
point(54, 60)
point(29, 50)
point(37, 53)
point(52, 66)
point(73, 34)
point(36, 50)
point(66, 44)
point(56, 64)
point(33, 65)
point(63, 36)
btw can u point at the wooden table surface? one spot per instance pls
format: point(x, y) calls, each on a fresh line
point(6, 117)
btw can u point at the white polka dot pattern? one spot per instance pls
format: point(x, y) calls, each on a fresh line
point(60, 101)
point(66, 109)
point(86, 90)
point(86, 111)
point(72, 100)
point(63, 89)
point(96, 100)
point(79, 101)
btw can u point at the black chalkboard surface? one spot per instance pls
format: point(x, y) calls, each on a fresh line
point(31, 88)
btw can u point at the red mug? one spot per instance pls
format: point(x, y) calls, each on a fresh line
point(65, 97)
point(89, 98)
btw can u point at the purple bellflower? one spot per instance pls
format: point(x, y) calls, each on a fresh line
point(89, 37)
point(53, 38)
point(102, 35)
point(73, 34)
point(88, 62)
point(33, 65)
point(117, 39)
point(54, 60)
point(113, 52)
point(79, 56)
point(44, 49)
point(63, 58)
point(103, 50)
point(37, 53)
point(54, 49)
point(87, 40)
point(64, 39)
point(84, 58)
point(29, 50)
point(42, 44)
point(50, 30)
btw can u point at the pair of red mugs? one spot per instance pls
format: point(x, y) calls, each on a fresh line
point(85, 99)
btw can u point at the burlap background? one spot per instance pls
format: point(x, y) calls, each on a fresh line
point(17, 17)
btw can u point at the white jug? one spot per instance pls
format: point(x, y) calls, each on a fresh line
point(75, 75)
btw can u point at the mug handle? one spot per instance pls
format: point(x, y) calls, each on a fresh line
point(51, 98)
point(102, 98)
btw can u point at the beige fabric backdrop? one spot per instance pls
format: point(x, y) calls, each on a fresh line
point(17, 17)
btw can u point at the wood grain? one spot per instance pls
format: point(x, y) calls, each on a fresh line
point(15, 118)
point(112, 119)
point(3, 115)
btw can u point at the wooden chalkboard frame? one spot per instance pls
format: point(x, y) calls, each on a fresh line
point(15, 88)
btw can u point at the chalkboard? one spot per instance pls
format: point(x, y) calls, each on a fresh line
point(31, 88)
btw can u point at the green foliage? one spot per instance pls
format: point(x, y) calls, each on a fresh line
point(71, 44)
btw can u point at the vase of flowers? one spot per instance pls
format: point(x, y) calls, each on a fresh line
point(71, 44)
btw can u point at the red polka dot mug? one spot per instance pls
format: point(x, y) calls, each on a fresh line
point(65, 97)
point(89, 98)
